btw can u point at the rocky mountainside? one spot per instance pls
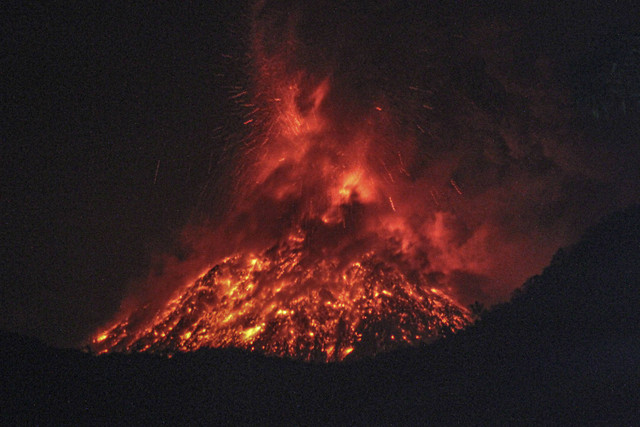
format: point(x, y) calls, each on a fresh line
point(564, 350)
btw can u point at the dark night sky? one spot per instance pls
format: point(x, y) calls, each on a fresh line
point(93, 97)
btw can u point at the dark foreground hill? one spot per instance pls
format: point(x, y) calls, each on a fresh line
point(565, 350)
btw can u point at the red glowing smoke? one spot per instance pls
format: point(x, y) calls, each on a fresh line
point(365, 208)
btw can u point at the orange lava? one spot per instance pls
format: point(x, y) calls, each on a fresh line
point(323, 262)
point(278, 305)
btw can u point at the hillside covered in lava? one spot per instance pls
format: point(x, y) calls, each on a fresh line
point(453, 147)
point(563, 350)
point(382, 177)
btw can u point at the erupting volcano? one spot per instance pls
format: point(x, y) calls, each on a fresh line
point(343, 236)
point(257, 304)
point(340, 273)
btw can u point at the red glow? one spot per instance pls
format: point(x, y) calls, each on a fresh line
point(324, 254)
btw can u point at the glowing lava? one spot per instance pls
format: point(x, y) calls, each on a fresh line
point(278, 305)
point(323, 256)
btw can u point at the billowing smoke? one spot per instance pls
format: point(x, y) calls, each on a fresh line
point(407, 133)
point(477, 148)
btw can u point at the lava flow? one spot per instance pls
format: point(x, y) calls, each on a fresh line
point(322, 255)
point(340, 279)
point(256, 303)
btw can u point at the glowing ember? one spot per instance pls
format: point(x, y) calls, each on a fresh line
point(280, 304)
point(328, 288)
point(325, 257)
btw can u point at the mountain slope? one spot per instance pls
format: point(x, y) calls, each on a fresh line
point(564, 350)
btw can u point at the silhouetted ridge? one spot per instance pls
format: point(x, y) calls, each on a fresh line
point(563, 351)
point(590, 289)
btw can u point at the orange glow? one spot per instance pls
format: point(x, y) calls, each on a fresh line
point(342, 262)
point(346, 352)
point(295, 319)
point(251, 332)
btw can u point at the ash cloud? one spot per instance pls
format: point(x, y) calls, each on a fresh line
point(479, 115)
point(491, 165)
